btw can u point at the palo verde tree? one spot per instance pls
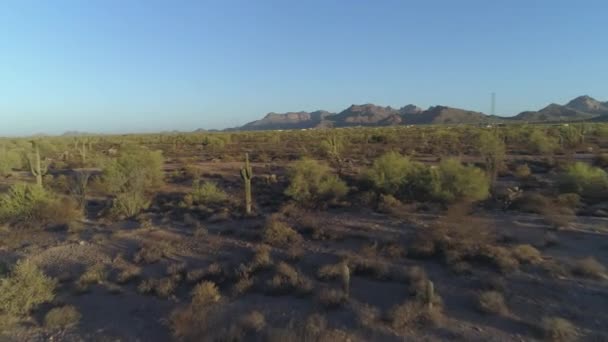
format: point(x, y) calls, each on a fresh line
point(492, 149)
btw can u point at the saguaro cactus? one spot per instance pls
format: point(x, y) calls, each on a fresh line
point(36, 167)
point(81, 146)
point(429, 294)
point(345, 274)
point(246, 175)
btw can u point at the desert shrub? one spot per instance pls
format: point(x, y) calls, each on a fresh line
point(23, 202)
point(332, 271)
point(501, 258)
point(131, 177)
point(453, 181)
point(149, 254)
point(165, 287)
point(134, 170)
point(25, 288)
point(261, 258)
point(526, 254)
point(126, 272)
point(395, 175)
point(332, 298)
point(492, 302)
point(492, 149)
point(601, 160)
point(95, 274)
point(129, 204)
point(243, 285)
point(205, 293)
point(9, 160)
point(312, 183)
point(589, 267)
point(558, 329)
point(539, 142)
point(207, 193)
point(414, 314)
point(568, 200)
point(62, 317)
point(278, 233)
point(584, 179)
point(522, 172)
point(287, 279)
point(253, 321)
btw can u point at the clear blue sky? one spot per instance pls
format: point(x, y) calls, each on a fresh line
point(146, 65)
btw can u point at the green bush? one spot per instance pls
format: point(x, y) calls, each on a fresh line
point(584, 179)
point(452, 181)
point(312, 183)
point(24, 289)
point(207, 193)
point(131, 177)
point(9, 160)
point(540, 142)
point(492, 149)
point(396, 175)
point(23, 202)
point(62, 317)
point(134, 170)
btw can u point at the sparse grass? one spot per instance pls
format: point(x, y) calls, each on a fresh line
point(558, 329)
point(492, 302)
point(589, 267)
point(62, 317)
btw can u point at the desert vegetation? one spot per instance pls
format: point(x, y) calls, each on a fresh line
point(455, 232)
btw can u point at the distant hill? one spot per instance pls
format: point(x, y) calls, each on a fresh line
point(580, 108)
point(291, 120)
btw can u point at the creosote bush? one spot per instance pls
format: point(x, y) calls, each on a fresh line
point(279, 233)
point(207, 193)
point(589, 267)
point(62, 317)
point(558, 329)
point(28, 205)
point(585, 180)
point(397, 175)
point(131, 178)
point(313, 184)
point(492, 302)
point(24, 289)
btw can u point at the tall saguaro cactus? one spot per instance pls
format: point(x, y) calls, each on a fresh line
point(36, 167)
point(246, 175)
point(429, 294)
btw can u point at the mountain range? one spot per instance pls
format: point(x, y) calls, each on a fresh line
point(581, 108)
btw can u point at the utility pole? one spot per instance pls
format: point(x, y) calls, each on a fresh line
point(493, 111)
